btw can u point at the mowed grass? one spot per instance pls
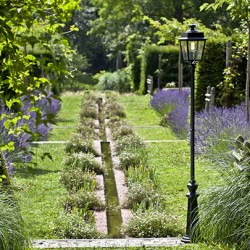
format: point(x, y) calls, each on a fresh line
point(171, 158)
point(68, 118)
point(40, 193)
point(38, 188)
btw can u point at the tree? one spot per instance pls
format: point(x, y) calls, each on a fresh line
point(239, 10)
point(29, 29)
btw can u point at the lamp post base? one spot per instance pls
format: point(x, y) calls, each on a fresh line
point(186, 239)
point(192, 211)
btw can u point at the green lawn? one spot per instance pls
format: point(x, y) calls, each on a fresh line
point(170, 158)
point(40, 192)
point(37, 186)
point(68, 118)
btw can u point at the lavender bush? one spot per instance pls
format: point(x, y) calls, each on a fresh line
point(33, 126)
point(173, 105)
point(217, 129)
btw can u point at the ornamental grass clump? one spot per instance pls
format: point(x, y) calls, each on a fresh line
point(83, 161)
point(13, 234)
point(216, 130)
point(224, 211)
point(173, 106)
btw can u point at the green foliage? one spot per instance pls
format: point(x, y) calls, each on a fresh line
point(143, 194)
point(114, 110)
point(13, 234)
point(76, 179)
point(210, 70)
point(84, 161)
point(81, 200)
point(76, 225)
point(149, 65)
point(33, 53)
point(78, 143)
point(4, 175)
point(130, 142)
point(150, 223)
point(87, 130)
point(132, 158)
point(231, 90)
point(224, 210)
point(119, 80)
point(122, 130)
point(89, 110)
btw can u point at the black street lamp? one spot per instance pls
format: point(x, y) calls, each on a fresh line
point(192, 45)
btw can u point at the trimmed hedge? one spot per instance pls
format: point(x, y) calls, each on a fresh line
point(149, 65)
point(210, 70)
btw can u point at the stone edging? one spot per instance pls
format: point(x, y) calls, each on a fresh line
point(129, 242)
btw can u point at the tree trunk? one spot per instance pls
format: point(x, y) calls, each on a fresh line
point(248, 74)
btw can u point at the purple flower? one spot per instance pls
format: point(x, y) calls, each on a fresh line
point(49, 107)
point(173, 105)
point(220, 127)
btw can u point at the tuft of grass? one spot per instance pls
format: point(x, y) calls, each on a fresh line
point(13, 234)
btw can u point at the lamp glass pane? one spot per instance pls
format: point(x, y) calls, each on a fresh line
point(184, 50)
point(201, 45)
point(193, 50)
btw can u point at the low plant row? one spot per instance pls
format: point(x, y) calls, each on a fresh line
point(150, 215)
point(78, 177)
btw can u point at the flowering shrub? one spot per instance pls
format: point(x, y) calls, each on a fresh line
point(37, 126)
point(217, 129)
point(173, 105)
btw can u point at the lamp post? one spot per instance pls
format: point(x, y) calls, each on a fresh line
point(192, 44)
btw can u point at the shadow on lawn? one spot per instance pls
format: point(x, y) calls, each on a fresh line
point(64, 120)
point(32, 171)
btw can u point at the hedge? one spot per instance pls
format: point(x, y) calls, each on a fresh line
point(210, 70)
point(149, 65)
